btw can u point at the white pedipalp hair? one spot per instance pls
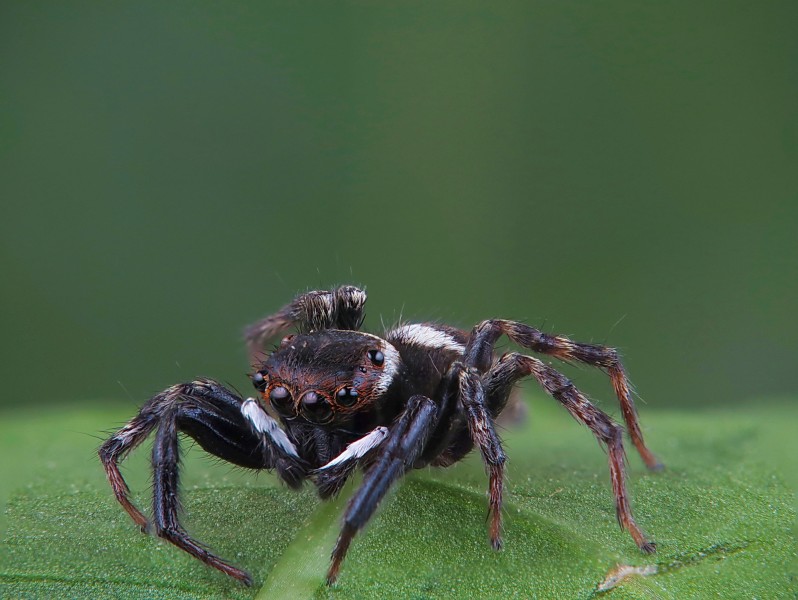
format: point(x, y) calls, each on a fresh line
point(359, 448)
point(265, 424)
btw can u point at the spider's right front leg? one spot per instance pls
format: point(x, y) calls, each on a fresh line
point(235, 430)
point(341, 308)
point(404, 444)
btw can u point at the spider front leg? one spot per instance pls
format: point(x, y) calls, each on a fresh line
point(485, 335)
point(398, 452)
point(512, 367)
point(341, 308)
point(223, 424)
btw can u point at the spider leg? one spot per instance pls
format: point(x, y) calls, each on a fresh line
point(341, 308)
point(165, 459)
point(512, 367)
point(117, 448)
point(482, 432)
point(404, 444)
point(223, 424)
point(485, 334)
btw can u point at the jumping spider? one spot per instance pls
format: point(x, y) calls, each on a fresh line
point(333, 398)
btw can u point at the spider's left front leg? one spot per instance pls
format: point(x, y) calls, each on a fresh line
point(404, 444)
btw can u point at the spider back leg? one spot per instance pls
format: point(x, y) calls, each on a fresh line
point(482, 432)
point(512, 367)
point(484, 336)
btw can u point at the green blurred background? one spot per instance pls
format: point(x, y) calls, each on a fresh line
point(622, 172)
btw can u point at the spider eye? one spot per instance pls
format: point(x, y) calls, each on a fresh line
point(315, 408)
point(346, 396)
point(259, 381)
point(280, 399)
point(376, 357)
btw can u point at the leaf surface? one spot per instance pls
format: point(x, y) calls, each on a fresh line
point(722, 514)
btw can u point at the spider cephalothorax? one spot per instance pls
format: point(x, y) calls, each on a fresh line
point(333, 399)
point(350, 372)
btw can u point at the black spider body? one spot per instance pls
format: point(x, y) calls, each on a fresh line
point(333, 399)
point(352, 393)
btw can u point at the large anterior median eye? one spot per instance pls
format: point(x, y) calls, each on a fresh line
point(315, 407)
point(281, 400)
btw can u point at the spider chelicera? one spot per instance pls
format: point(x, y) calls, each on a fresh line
point(333, 398)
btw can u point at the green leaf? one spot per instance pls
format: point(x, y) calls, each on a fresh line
point(722, 514)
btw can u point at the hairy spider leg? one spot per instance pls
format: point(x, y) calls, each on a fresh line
point(117, 448)
point(406, 440)
point(341, 308)
point(483, 434)
point(485, 334)
point(224, 425)
point(514, 366)
point(165, 458)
